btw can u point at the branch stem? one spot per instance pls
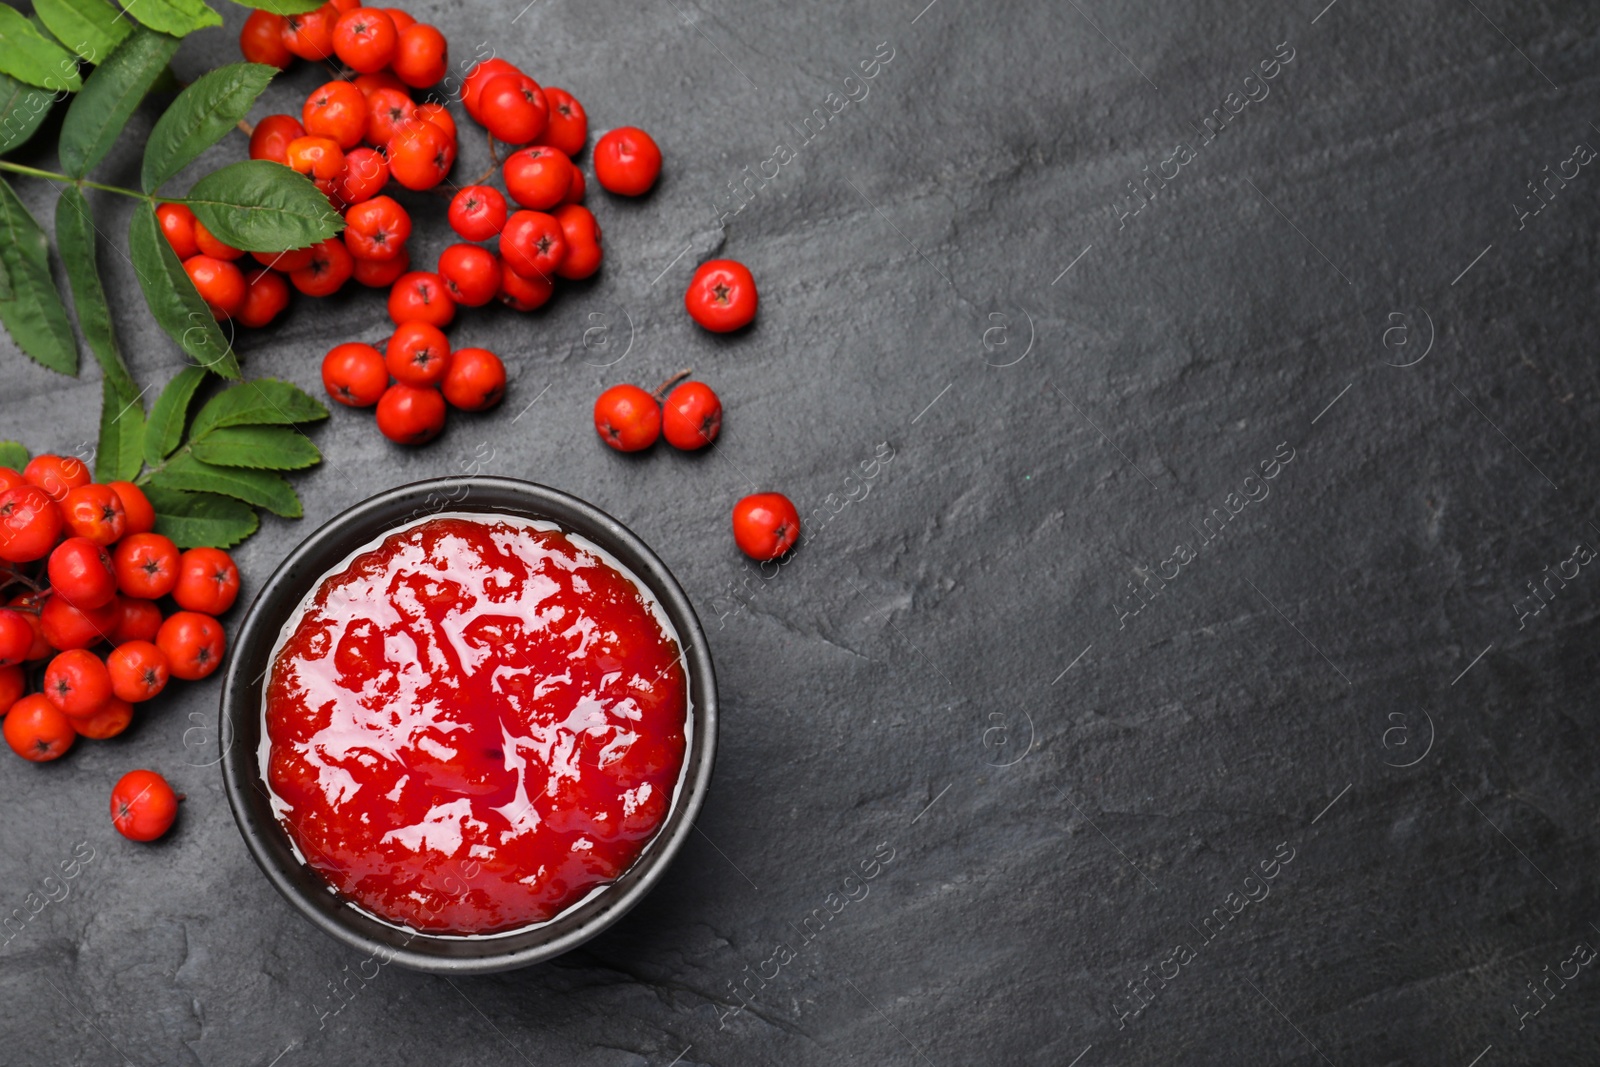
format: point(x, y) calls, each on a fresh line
point(65, 179)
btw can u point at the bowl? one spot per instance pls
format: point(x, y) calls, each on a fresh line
point(241, 726)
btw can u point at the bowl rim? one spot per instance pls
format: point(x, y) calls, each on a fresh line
point(300, 571)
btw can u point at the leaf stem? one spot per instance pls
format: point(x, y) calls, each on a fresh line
point(145, 477)
point(66, 179)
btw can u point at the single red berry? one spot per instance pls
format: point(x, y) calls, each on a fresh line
point(418, 354)
point(691, 417)
point(354, 374)
point(524, 294)
point(95, 512)
point(582, 234)
point(421, 297)
point(627, 418)
point(377, 229)
point(365, 39)
point(309, 36)
point(513, 108)
point(479, 76)
point(30, 522)
point(136, 506)
point(285, 262)
point(177, 226)
point(382, 79)
point(77, 682)
point(765, 525)
point(382, 273)
point(316, 157)
point(143, 805)
point(388, 110)
point(65, 626)
point(627, 161)
point(533, 244)
point(337, 110)
point(261, 40)
point(138, 670)
point(37, 730)
point(108, 720)
point(538, 177)
point(331, 266)
point(193, 644)
point(721, 295)
point(475, 381)
point(411, 414)
point(16, 637)
point(568, 128)
point(56, 475)
point(208, 581)
point(266, 294)
point(81, 571)
point(137, 620)
point(210, 245)
point(575, 192)
point(220, 284)
point(421, 154)
point(438, 115)
point(10, 479)
point(30, 606)
point(365, 174)
point(402, 21)
point(421, 56)
point(13, 686)
point(471, 274)
point(478, 212)
point(270, 139)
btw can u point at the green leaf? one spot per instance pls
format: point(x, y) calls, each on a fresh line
point(120, 456)
point(263, 402)
point(30, 56)
point(91, 28)
point(264, 489)
point(173, 298)
point(199, 118)
point(282, 7)
point(13, 455)
point(75, 237)
point(165, 427)
point(32, 312)
point(22, 110)
point(195, 520)
point(262, 206)
point(177, 17)
point(99, 113)
point(261, 447)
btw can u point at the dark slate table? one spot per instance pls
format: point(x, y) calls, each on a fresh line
point(1180, 672)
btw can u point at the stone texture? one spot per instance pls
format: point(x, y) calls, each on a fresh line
point(1068, 792)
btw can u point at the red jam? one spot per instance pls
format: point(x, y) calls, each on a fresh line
point(474, 724)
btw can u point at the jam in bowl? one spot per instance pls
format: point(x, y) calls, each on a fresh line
point(468, 738)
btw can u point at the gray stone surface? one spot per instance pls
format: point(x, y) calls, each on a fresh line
point(1068, 791)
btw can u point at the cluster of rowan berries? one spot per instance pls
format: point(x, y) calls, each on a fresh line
point(94, 580)
point(354, 136)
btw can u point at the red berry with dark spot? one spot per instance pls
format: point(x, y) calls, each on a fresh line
point(354, 374)
point(418, 354)
point(691, 416)
point(627, 418)
point(765, 525)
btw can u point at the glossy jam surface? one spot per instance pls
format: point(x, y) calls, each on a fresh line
point(474, 724)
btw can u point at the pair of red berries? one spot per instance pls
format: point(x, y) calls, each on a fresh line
point(426, 373)
point(630, 419)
